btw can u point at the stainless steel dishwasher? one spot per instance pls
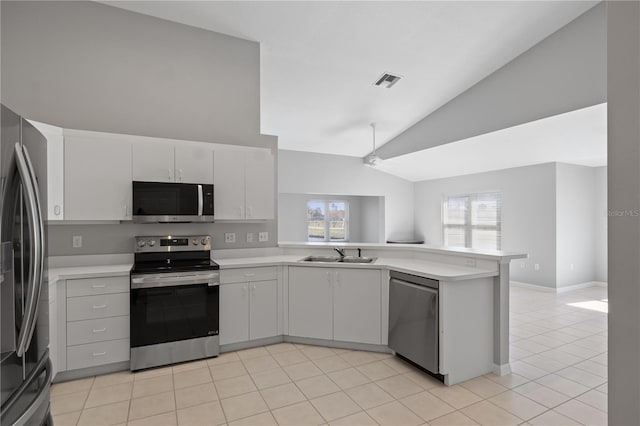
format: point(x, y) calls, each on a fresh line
point(413, 319)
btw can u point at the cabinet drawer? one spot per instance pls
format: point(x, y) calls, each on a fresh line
point(248, 274)
point(91, 307)
point(94, 286)
point(101, 353)
point(97, 330)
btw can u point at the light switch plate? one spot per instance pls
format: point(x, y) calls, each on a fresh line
point(230, 237)
point(263, 236)
point(249, 237)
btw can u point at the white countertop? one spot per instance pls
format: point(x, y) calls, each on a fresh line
point(434, 270)
point(425, 248)
point(426, 268)
point(89, 271)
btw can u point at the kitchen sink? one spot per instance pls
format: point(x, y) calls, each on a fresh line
point(354, 259)
point(321, 259)
point(334, 259)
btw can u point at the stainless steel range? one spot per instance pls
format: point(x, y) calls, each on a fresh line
point(174, 301)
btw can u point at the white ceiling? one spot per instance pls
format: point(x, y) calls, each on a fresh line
point(577, 137)
point(319, 59)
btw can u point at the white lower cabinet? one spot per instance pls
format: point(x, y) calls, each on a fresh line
point(310, 302)
point(335, 304)
point(92, 322)
point(248, 304)
point(263, 309)
point(234, 313)
point(357, 307)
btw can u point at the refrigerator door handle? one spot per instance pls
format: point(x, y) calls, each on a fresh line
point(43, 393)
point(34, 283)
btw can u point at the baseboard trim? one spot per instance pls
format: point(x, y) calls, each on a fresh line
point(559, 290)
point(502, 370)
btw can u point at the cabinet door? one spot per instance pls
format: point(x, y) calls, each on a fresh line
point(228, 181)
point(356, 306)
point(260, 184)
point(263, 309)
point(97, 179)
point(234, 313)
point(310, 302)
point(194, 164)
point(153, 162)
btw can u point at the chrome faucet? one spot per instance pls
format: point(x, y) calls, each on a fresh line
point(340, 252)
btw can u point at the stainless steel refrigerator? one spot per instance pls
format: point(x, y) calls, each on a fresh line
point(25, 369)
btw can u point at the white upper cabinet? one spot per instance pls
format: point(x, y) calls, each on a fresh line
point(180, 162)
point(55, 169)
point(153, 162)
point(228, 184)
point(244, 180)
point(194, 163)
point(259, 184)
point(97, 178)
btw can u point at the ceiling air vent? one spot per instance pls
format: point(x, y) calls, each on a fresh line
point(387, 80)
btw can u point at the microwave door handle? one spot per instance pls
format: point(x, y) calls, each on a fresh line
point(35, 267)
point(200, 200)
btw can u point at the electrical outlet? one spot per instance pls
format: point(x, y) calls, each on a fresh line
point(77, 241)
point(230, 237)
point(536, 266)
point(263, 236)
point(470, 262)
point(249, 237)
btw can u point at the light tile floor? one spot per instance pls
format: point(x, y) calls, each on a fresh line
point(559, 359)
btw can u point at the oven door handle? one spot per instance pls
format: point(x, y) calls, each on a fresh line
point(148, 282)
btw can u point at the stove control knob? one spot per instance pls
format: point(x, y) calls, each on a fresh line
point(142, 243)
point(194, 242)
point(152, 243)
point(204, 241)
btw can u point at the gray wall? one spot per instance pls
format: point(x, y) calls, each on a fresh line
point(363, 216)
point(601, 218)
point(85, 65)
point(118, 238)
point(564, 72)
point(311, 173)
point(528, 214)
point(554, 212)
point(623, 185)
point(575, 224)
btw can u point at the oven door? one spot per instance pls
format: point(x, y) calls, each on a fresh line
point(169, 308)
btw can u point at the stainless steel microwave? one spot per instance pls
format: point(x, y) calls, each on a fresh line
point(158, 202)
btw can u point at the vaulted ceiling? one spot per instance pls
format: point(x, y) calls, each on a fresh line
point(319, 59)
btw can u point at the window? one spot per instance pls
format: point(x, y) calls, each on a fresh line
point(472, 220)
point(328, 220)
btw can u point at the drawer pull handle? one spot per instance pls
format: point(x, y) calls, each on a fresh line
point(100, 330)
point(99, 285)
point(100, 306)
point(249, 274)
point(99, 353)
